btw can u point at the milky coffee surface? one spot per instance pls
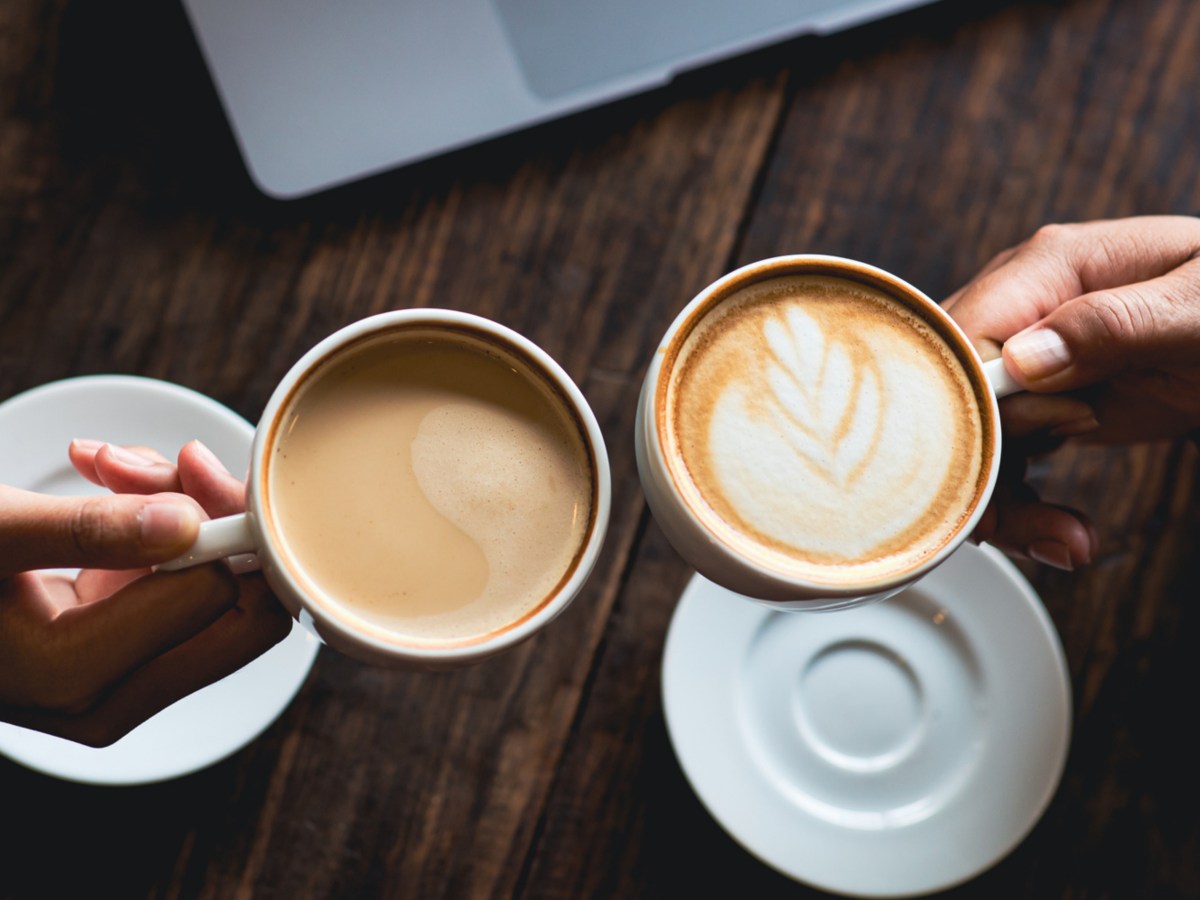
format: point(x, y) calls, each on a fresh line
point(825, 429)
point(429, 490)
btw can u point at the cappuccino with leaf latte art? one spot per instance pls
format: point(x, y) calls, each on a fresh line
point(824, 429)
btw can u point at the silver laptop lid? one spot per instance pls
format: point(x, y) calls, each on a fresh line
point(320, 93)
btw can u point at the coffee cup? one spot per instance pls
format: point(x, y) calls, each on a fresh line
point(427, 488)
point(815, 433)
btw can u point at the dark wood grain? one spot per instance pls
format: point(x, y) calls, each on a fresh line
point(131, 240)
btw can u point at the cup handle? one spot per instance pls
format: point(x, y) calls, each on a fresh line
point(229, 538)
point(997, 375)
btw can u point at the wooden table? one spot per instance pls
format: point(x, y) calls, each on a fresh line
point(131, 240)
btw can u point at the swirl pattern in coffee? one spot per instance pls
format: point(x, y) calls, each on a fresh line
point(431, 488)
point(824, 428)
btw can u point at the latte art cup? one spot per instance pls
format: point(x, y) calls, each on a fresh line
point(698, 532)
point(252, 540)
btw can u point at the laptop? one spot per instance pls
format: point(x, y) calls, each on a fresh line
point(324, 92)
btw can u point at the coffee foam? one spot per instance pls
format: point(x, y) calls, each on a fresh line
point(432, 489)
point(503, 482)
point(825, 429)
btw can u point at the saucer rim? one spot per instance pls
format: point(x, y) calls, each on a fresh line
point(1012, 581)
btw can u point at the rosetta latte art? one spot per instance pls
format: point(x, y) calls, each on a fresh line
point(827, 407)
point(829, 432)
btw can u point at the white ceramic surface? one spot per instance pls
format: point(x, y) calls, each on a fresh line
point(890, 750)
point(674, 504)
point(203, 728)
point(254, 531)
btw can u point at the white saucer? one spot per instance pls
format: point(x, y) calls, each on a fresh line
point(890, 750)
point(36, 428)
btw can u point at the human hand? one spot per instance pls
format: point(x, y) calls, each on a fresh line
point(1100, 323)
point(92, 657)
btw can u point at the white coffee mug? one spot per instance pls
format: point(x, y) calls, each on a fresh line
point(705, 550)
point(251, 539)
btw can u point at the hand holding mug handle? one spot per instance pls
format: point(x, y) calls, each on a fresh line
point(90, 657)
point(1107, 307)
point(230, 538)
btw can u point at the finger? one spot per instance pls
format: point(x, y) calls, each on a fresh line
point(1059, 415)
point(118, 531)
point(57, 591)
point(987, 523)
point(1053, 535)
point(204, 477)
point(1061, 262)
point(1011, 489)
point(1149, 324)
point(83, 454)
point(239, 636)
point(98, 643)
point(125, 470)
point(1017, 292)
point(96, 584)
point(994, 263)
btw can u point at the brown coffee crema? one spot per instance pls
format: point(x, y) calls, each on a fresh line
point(430, 487)
point(824, 429)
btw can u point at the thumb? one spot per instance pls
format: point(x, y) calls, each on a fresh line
point(115, 531)
point(1099, 335)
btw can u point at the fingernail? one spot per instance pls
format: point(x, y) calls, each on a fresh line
point(1039, 353)
point(167, 523)
point(128, 457)
point(86, 444)
point(1051, 553)
point(1079, 426)
point(209, 457)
